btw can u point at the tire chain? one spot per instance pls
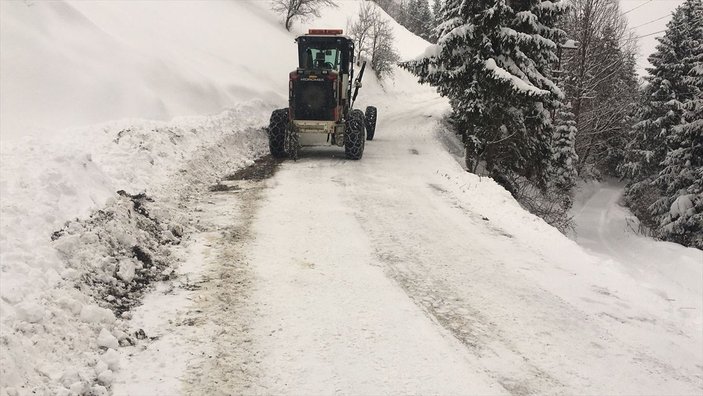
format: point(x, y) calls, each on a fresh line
point(370, 117)
point(292, 143)
point(354, 135)
point(277, 131)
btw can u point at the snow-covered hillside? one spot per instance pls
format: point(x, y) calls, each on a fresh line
point(399, 273)
point(73, 63)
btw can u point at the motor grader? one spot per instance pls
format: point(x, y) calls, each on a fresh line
point(321, 95)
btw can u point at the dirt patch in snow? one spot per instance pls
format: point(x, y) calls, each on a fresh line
point(210, 296)
point(222, 187)
point(228, 363)
point(130, 244)
point(261, 169)
point(67, 282)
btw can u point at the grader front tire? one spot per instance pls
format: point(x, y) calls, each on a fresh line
point(355, 135)
point(278, 124)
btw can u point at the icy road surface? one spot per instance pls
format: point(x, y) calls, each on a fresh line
point(401, 273)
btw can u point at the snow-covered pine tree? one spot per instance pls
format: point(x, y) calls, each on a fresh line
point(437, 18)
point(664, 155)
point(493, 61)
point(411, 16)
point(563, 164)
point(680, 209)
point(424, 19)
point(414, 15)
point(402, 13)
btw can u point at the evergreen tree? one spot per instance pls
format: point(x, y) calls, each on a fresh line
point(680, 211)
point(437, 12)
point(665, 159)
point(402, 13)
point(564, 158)
point(493, 61)
point(437, 19)
point(414, 15)
point(411, 16)
point(424, 19)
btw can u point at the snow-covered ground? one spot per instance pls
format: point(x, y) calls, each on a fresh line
point(607, 229)
point(399, 273)
point(57, 269)
point(402, 273)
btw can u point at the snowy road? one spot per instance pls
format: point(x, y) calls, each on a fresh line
point(604, 227)
point(401, 273)
point(397, 274)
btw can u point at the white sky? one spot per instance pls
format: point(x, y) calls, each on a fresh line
point(643, 18)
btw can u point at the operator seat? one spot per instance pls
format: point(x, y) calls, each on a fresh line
point(320, 60)
point(308, 59)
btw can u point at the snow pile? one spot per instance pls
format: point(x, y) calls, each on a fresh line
point(681, 206)
point(142, 175)
point(50, 180)
point(609, 230)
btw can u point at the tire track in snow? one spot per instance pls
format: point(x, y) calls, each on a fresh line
point(330, 321)
point(403, 261)
point(484, 311)
point(229, 364)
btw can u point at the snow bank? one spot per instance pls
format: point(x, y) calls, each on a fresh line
point(609, 230)
point(53, 272)
point(47, 181)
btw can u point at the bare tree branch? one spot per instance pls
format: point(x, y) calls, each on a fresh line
point(373, 37)
point(301, 9)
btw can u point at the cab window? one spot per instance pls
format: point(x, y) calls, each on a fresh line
point(321, 58)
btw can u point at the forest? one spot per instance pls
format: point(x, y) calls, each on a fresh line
point(545, 94)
